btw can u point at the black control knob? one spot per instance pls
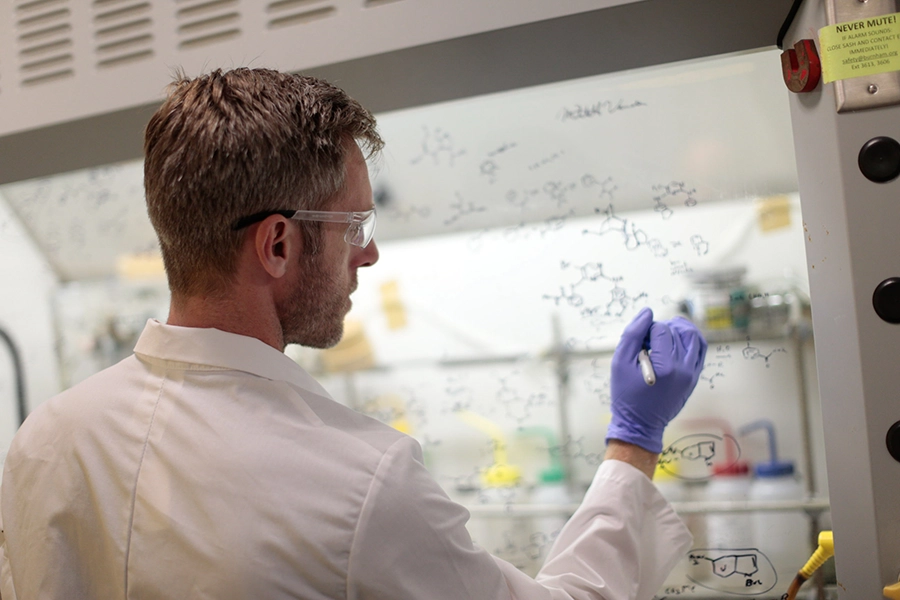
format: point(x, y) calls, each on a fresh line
point(893, 441)
point(879, 159)
point(886, 300)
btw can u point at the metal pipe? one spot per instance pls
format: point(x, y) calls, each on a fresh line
point(20, 379)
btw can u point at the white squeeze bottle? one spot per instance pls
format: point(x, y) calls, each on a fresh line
point(728, 534)
point(782, 536)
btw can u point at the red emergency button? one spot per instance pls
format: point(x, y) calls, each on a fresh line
point(801, 67)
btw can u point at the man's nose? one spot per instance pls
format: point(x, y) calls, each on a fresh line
point(369, 255)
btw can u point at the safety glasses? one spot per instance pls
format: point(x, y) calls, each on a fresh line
point(360, 225)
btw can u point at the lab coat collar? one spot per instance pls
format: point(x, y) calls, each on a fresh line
point(203, 349)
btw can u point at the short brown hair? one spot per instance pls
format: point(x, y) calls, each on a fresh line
point(235, 143)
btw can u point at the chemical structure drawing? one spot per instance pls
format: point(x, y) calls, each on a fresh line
point(554, 223)
point(698, 451)
point(574, 449)
point(704, 450)
point(619, 303)
point(732, 569)
point(557, 191)
point(588, 344)
point(663, 209)
point(501, 149)
point(547, 160)
point(657, 248)
point(597, 383)
point(742, 565)
point(711, 379)
point(632, 236)
point(521, 200)
point(462, 209)
point(402, 410)
point(754, 353)
point(679, 267)
point(489, 169)
point(459, 396)
point(517, 405)
point(439, 145)
point(720, 357)
point(701, 246)
point(676, 190)
point(607, 187)
point(405, 214)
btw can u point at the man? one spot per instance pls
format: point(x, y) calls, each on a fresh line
point(209, 465)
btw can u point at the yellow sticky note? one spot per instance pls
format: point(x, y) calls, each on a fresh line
point(773, 213)
point(857, 48)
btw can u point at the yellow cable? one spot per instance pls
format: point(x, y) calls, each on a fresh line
point(822, 553)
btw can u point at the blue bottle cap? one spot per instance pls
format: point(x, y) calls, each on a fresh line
point(776, 468)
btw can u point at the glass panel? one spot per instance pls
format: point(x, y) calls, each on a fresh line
point(525, 229)
point(519, 233)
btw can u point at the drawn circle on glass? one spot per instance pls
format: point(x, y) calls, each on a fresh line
point(693, 457)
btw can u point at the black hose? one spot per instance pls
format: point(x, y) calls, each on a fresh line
point(787, 23)
point(20, 378)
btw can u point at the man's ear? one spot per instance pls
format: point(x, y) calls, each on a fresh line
point(274, 245)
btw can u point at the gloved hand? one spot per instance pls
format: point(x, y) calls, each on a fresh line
point(640, 412)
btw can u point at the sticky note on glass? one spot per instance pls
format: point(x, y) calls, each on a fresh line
point(773, 213)
point(857, 48)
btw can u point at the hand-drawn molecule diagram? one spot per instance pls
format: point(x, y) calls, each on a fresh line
point(462, 209)
point(676, 190)
point(619, 303)
point(407, 213)
point(607, 188)
point(698, 451)
point(632, 236)
point(439, 145)
point(459, 396)
point(517, 405)
point(746, 569)
point(740, 565)
point(719, 358)
point(400, 411)
point(557, 191)
point(521, 200)
point(702, 450)
point(489, 169)
point(700, 245)
point(554, 223)
point(711, 379)
point(753, 353)
point(574, 449)
point(679, 267)
point(597, 383)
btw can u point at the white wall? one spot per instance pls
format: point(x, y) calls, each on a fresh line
point(28, 285)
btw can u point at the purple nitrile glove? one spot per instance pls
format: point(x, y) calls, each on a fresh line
point(640, 412)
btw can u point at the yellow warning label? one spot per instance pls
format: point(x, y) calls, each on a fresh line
point(858, 48)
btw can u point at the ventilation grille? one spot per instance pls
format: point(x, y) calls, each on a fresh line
point(285, 13)
point(122, 31)
point(44, 36)
point(202, 22)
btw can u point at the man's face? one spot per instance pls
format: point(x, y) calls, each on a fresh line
point(312, 312)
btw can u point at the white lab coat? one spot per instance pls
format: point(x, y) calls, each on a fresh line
point(210, 465)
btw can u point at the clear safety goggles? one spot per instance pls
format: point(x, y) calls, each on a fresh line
point(360, 225)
